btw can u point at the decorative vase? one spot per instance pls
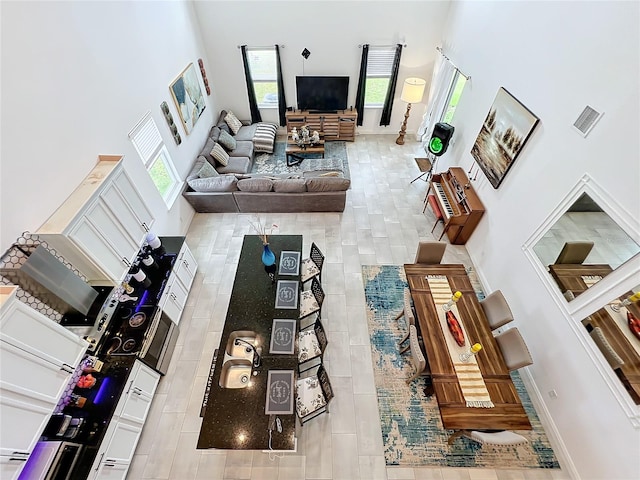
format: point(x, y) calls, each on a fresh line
point(268, 257)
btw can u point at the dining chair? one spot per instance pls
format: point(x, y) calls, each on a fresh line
point(311, 345)
point(605, 347)
point(430, 253)
point(514, 350)
point(494, 438)
point(496, 309)
point(409, 316)
point(311, 300)
point(417, 356)
point(574, 252)
point(312, 267)
point(313, 395)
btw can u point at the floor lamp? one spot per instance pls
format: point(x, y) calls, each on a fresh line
point(412, 92)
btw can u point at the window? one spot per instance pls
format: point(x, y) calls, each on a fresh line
point(379, 67)
point(262, 63)
point(455, 92)
point(154, 154)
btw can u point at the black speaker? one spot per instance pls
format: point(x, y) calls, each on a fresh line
point(442, 133)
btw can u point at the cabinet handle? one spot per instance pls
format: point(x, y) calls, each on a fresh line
point(126, 262)
point(67, 368)
point(137, 391)
point(144, 225)
point(186, 264)
point(17, 459)
point(100, 461)
point(129, 389)
point(109, 464)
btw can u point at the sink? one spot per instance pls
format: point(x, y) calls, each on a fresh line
point(243, 351)
point(235, 373)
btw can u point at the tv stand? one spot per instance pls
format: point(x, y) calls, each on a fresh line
point(337, 125)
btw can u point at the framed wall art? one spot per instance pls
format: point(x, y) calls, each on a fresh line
point(504, 132)
point(188, 97)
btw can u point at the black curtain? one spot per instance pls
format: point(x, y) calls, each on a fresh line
point(362, 83)
point(253, 104)
point(282, 101)
point(388, 102)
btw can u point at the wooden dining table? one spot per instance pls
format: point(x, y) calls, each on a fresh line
point(569, 276)
point(508, 412)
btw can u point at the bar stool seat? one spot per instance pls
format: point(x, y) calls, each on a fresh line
point(435, 207)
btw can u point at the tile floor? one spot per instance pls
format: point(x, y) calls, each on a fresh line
point(381, 224)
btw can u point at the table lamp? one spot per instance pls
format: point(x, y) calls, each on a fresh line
point(412, 92)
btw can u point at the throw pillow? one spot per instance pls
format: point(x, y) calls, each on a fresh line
point(207, 171)
point(219, 155)
point(233, 122)
point(221, 183)
point(327, 184)
point(227, 141)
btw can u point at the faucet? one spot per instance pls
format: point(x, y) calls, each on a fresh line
point(256, 357)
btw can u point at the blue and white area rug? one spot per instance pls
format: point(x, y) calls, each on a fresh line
point(335, 158)
point(412, 431)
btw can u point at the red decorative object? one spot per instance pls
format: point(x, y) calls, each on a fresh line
point(204, 76)
point(455, 329)
point(634, 324)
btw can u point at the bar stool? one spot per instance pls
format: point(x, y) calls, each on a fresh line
point(435, 207)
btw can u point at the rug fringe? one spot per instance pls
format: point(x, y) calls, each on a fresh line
point(480, 403)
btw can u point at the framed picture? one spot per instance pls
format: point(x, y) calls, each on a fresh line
point(188, 97)
point(504, 132)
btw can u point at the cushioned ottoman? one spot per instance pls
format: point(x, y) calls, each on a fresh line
point(264, 138)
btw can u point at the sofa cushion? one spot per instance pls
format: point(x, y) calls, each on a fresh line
point(222, 183)
point(206, 151)
point(219, 155)
point(236, 165)
point(255, 185)
point(289, 185)
point(214, 133)
point(243, 149)
point(207, 170)
point(226, 140)
point(233, 122)
point(327, 184)
point(246, 133)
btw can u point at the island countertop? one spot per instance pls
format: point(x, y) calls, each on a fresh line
point(235, 418)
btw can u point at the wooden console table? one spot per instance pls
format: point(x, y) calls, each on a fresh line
point(335, 126)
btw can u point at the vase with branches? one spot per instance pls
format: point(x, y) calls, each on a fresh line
point(262, 230)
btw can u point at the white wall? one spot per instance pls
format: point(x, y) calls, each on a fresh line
point(331, 31)
point(555, 57)
point(76, 78)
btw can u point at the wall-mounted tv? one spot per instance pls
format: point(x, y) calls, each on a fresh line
point(322, 94)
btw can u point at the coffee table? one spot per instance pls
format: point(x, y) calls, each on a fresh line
point(294, 152)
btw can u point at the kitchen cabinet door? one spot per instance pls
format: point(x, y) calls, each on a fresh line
point(112, 471)
point(186, 267)
point(29, 330)
point(11, 466)
point(123, 443)
point(136, 401)
point(174, 298)
point(22, 420)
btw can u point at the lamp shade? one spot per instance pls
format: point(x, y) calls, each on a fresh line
point(412, 90)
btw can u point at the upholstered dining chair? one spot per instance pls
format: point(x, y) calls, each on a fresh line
point(312, 343)
point(409, 316)
point(605, 347)
point(500, 438)
point(312, 267)
point(417, 356)
point(574, 252)
point(313, 395)
point(496, 309)
point(311, 300)
point(430, 253)
point(514, 350)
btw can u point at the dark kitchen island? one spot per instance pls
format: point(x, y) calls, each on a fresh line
point(235, 418)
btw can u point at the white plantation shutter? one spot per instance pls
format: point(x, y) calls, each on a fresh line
point(146, 139)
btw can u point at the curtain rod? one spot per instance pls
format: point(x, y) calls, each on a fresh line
point(439, 49)
point(263, 46)
point(404, 45)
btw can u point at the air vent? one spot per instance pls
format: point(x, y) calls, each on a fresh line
point(586, 121)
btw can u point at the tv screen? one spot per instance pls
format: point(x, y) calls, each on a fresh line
point(322, 94)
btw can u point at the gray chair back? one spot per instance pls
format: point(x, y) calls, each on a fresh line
point(514, 350)
point(574, 252)
point(496, 309)
point(430, 253)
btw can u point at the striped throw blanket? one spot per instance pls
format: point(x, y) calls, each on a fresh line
point(264, 138)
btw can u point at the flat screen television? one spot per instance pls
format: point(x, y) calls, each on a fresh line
point(322, 94)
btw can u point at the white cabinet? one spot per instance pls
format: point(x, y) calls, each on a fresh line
point(38, 357)
point(11, 466)
point(179, 283)
point(101, 226)
point(120, 440)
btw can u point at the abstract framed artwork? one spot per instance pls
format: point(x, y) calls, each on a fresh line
point(187, 95)
point(504, 132)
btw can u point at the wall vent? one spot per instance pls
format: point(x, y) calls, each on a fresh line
point(586, 121)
